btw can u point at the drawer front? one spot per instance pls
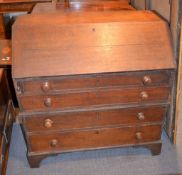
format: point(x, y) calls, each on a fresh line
point(96, 138)
point(94, 98)
point(46, 85)
point(88, 119)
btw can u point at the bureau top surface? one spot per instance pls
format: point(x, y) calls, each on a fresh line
point(90, 42)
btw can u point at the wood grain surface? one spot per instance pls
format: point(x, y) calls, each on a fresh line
point(90, 43)
point(82, 6)
point(93, 98)
point(93, 118)
point(103, 137)
point(8, 6)
point(66, 83)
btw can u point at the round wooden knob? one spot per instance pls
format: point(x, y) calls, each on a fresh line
point(138, 135)
point(54, 143)
point(147, 80)
point(46, 86)
point(48, 102)
point(144, 95)
point(141, 116)
point(48, 123)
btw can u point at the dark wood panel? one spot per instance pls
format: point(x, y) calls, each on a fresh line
point(2, 28)
point(95, 118)
point(4, 89)
point(8, 6)
point(109, 96)
point(47, 85)
point(16, 7)
point(105, 137)
point(6, 53)
point(89, 17)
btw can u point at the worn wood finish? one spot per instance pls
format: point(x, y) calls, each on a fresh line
point(93, 98)
point(120, 42)
point(94, 118)
point(9, 6)
point(47, 85)
point(103, 137)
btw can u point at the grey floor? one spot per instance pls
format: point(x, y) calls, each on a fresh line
point(124, 161)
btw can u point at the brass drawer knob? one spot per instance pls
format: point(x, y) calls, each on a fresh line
point(141, 116)
point(144, 95)
point(138, 135)
point(46, 86)
point(147, 80)
point(54, 143)
point(48, 123)
point(48, 102)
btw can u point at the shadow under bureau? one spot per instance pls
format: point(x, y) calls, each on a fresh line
point(92, 80)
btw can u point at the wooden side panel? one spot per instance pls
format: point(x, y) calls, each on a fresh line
point(178, 119)
point(176, 13)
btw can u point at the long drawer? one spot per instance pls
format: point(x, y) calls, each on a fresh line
point(109, 96)
point(94, 138)
point(97, 118)
point(47, 85)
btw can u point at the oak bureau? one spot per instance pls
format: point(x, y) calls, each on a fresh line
point(91, 80)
